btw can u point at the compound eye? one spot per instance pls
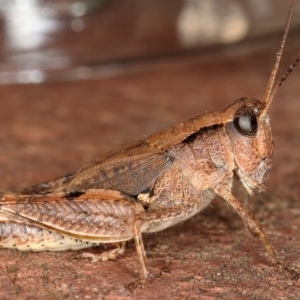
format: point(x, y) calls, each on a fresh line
point(245, 121)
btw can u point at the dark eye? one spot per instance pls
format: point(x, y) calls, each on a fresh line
point(245, 121)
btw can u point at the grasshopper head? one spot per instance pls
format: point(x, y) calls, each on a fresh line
point(248, 127)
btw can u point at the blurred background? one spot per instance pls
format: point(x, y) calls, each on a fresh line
point(44, 40)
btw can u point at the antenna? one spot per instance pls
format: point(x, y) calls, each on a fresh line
point(269, 95)
point(282, 80)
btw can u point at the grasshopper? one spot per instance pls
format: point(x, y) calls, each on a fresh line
point(151, 184)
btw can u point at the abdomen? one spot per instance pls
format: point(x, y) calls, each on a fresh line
point(30, 238)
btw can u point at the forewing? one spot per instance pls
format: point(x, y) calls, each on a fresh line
point(46, 187)
point(131, 170)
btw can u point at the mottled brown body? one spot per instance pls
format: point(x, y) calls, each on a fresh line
point(148, 185)
point(158, 187)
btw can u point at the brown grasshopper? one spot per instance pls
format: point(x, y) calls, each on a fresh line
point(151, 184)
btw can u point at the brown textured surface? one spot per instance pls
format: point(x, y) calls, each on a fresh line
point(50, 129)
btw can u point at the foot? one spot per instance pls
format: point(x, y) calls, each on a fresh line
point(104, 256)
